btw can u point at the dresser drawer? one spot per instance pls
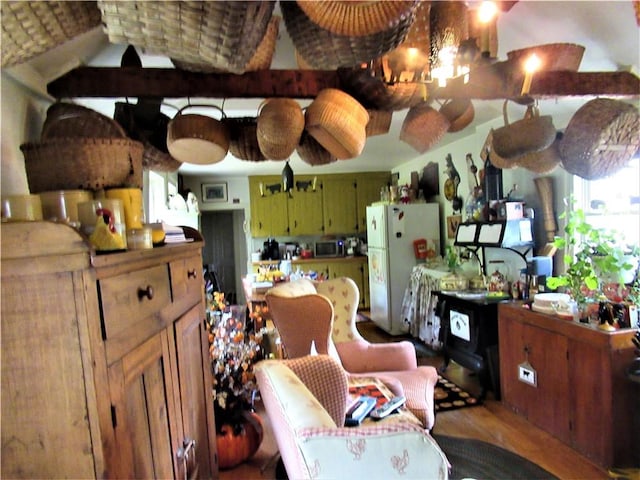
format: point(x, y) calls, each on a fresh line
point(129, 298)
point(186, 278)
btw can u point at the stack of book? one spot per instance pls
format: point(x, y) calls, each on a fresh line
point(173, 234)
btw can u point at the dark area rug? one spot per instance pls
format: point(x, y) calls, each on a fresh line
point(448, 396)
point(476, 459)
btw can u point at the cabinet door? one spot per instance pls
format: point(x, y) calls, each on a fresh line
point(269, 215)
point(146, 420)
point(352, 270)
point(368, 192)
point(339, 205)
point(547, 404)
point(305, 208)
point(189, 338)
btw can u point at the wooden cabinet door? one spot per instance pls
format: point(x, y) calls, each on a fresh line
point(146, 420)
point(339, 205)
point(189, 339)
point(269, 215)
point(351, 270)
point(305, 208)
point(367, 192)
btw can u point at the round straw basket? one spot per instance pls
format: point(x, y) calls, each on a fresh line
point(32, 28)
point(83, 164)
point(459, 112)
point(423, 127)
point(312, 153)
point(338, 122)
point(496, 160)
point(544, 161)
point(553, 56)
point(323, 49)
point(379, 122)
point(220, 35)
point(197, 139)
point(243, 140)
point(68, 120)
point(600, 138)
point(357, 18)
point(530, 134)
point(279, 127)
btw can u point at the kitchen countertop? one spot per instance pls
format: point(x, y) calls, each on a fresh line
point(302, 261)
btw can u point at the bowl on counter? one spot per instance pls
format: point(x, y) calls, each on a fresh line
point(306, 253)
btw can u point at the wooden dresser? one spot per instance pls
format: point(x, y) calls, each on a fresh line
point(582, 394)
point(105, 364)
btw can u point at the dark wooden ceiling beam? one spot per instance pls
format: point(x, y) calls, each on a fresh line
point(487, 83)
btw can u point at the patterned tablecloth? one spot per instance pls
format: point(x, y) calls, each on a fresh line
point(418, 305)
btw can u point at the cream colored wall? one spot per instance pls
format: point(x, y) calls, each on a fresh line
point(22, 119)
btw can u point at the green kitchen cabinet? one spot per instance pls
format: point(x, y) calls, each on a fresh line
point(304, 207)
point(339, 204)
point(269, 207)
point(367, 192)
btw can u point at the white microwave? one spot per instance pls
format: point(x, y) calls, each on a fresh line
point(329, 248)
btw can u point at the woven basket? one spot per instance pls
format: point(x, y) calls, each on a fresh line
point(222, 35)
point(531, 134)
point(423, 127)
point(338, 122)
point(553, 56)
point(197, 139)
point(32, 28)
point(243, 140)
point(83, 164)
point(375, 94)
point(544, 161)
point(325, 50)
point(312, 153)
point(261, 60)
point(600, 138)
point(357, 19)
point(459, 112)
point(280, 125)
point(151, 132)
point(496, 160)
point(379, 122)
point(68, 120)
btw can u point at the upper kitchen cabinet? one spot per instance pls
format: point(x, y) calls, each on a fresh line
point(339, 204)
point(304, 207)
point(269, 215)
point(368, 191)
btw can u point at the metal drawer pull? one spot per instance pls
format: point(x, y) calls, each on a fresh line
point(188, 449)
point(145, 292)
point(192, 273)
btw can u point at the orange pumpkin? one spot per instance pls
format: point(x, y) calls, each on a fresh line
point(236, 445)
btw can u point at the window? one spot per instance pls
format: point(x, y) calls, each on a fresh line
point(613, 202)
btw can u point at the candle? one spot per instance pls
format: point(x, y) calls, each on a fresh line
point(530, 66)
point(261, 189)
point(486, 12)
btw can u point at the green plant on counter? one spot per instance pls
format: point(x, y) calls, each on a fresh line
point(592, 256)
point(453, 258)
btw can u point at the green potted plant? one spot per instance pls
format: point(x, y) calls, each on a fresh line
point(593, 257)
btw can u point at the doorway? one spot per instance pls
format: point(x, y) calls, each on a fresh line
point(225, 250)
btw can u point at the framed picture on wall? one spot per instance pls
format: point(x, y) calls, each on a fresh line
point(214, 192)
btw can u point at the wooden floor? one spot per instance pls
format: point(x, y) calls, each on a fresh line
point(490, 422)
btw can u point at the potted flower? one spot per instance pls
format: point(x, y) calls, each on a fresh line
point(233, 352)
point(594, 257)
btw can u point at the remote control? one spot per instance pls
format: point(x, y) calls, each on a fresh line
point(359, 411)
point(389, 407)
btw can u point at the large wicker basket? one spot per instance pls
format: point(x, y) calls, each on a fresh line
point(68, 120)
point(312, 153)
point(32, 28)
point(553, 56)
point(323, 49)
point(243, 139)
point(338, 122)
point(600, 138)
point(423, 127)
point(280, 125)
point(222, 35)
point(83, 164)
point(533, 133)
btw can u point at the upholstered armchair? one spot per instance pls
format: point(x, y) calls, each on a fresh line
point(304, 316)
point(306, 401)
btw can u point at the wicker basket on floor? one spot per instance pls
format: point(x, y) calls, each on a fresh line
point(222, 35)
point(83, 164)
point(32, 28)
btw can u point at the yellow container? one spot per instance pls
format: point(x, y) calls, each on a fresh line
point(131, 199)
point(62, 205)
point(17, 208)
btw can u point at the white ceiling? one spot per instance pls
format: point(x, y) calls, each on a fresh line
point(607, 29)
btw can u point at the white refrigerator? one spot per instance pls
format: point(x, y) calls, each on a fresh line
point(391, 232)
